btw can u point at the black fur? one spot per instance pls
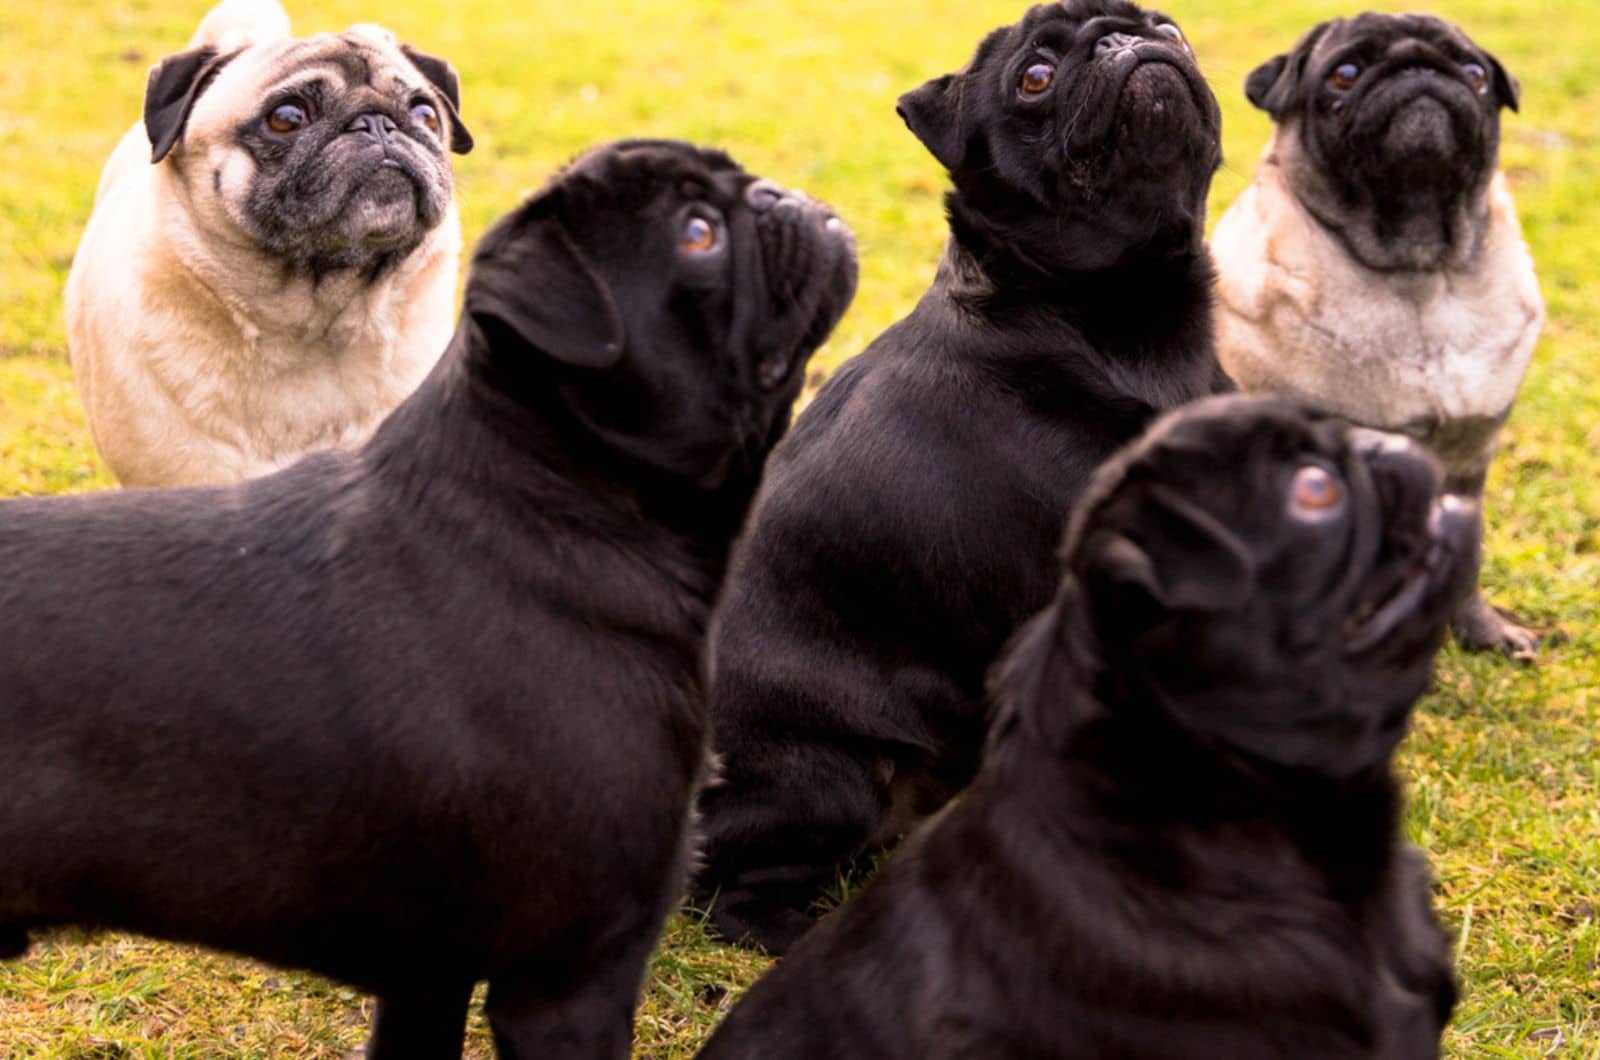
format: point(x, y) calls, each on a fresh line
point(908, 523)
point(1397, 164)
point(171, 90)
point(430, 712)
point(1184, 841)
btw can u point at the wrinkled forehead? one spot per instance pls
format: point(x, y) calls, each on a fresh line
point(364, 56)
point(1234, 427)
point(1382, 30)
point(1084, 10)
point(1053, 25)
point(641, 171)
point(1232, 438)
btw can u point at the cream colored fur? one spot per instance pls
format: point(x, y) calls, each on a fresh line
point(198, 358)
point(1299, 315)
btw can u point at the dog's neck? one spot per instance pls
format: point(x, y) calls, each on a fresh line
point(1136, 784)
point(520, 448)
point(1149, 794)
point(1149, 317)
point(1415, 227)
point(253, 301)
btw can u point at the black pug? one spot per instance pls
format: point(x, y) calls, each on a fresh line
point(1184, 841)
point(431, 712)
point(908, 523)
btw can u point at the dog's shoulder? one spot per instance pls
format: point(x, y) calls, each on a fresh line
point(1299, 314)
point(1268, 248)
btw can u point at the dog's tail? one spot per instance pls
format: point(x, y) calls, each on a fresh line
point(234, 24)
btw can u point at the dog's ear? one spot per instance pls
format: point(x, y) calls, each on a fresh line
point(1506, 89)
point(1275, 85)
point(539, 284)
point(175, 83)
point(1184, 560)
point(933, 113)
point(442, 76)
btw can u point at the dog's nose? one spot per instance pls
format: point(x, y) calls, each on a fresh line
point(763, 195)
point(1116, 44)
point(380, 126)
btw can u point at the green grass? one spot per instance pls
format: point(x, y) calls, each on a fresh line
point(1504, 768)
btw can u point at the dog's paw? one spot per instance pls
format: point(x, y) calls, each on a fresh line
point(769, 927)
point(1482, 627)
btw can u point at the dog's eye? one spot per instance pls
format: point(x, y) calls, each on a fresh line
point(1316, 494)
point(1036, 79)
point(425, 114)
point(699, 235)
point(1344, 77)
point(1170, 29)
point(1477, 77)
point(287, 118)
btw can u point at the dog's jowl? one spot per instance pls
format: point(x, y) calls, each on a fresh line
point(431, 712)
point(1375, 267)
point(1184, 841)
point(908, 523)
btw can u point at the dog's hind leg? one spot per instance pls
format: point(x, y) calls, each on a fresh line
point(422, 1025)
point(533, 1019)
point(774, 839)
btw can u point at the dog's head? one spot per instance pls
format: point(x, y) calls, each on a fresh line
point(1074, 135)
point(1387, 118)
point(673, 297)
point(1270, 579)
point(328, 153)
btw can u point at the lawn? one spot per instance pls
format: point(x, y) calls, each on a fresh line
point(1503, 770)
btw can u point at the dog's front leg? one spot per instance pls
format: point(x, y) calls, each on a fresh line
point(425, 1025)
point(533, 1019)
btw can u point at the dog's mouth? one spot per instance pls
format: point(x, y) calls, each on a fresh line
point(1420, 584)
point(387, 207)
point(1158, 110)
point(809, 258)
point(1156, 84)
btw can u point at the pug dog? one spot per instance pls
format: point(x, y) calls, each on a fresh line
point(270, 267)
point(1376, 267)
point(909, 522)
point(1184, 840)
point(431, 712)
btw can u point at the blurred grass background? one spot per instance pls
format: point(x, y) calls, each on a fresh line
point(1503, 771)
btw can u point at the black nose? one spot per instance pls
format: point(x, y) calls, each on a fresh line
point(1115, 42)
point(763, 195)
point(380, 126)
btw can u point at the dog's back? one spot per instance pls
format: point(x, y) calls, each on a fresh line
point(285, 665)
point(905, 527)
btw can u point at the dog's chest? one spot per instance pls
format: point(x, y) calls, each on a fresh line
point(1429, 353)
point(322, 373)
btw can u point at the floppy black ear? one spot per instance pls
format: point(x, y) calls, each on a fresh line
point(540, 286)
point(1274, 86)
point(1506, 89)
point(933, 114)
point(1184, 560)
point(442, 76)
point(175, 83)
